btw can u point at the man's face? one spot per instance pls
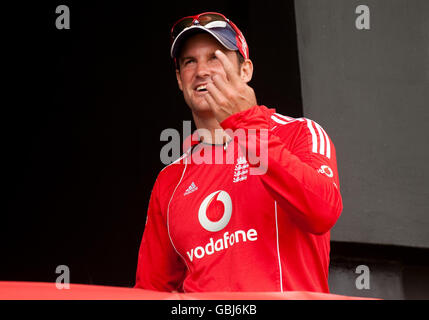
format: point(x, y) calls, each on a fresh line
point(198, 63)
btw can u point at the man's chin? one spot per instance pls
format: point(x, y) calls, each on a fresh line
point(201, 106)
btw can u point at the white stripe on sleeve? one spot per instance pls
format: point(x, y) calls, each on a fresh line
point(313, 135)
point(278, 120)
point(284, 117)
point(321, 138)
point(328, 144)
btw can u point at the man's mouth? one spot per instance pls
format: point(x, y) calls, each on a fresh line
point(201, 88)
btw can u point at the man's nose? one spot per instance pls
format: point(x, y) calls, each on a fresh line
point(203, 70)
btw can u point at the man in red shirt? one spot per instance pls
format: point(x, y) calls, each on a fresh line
point(216, 225)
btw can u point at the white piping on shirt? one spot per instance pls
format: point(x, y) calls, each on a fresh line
point(168, 214)
point(183, 156)
point(278, 248)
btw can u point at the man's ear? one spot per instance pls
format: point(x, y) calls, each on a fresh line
point(179, 81)
point(246, 69)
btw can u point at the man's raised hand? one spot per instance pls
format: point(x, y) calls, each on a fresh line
point(231, 95)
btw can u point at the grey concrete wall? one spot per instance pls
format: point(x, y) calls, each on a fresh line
point(369, 89)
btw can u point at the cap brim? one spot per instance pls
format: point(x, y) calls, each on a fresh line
point(217, 33)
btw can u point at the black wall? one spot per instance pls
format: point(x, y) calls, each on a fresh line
point(83, 110)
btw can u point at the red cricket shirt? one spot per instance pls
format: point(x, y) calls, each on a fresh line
point(217, 227)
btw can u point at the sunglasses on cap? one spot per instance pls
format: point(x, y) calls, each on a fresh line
point(219, 26)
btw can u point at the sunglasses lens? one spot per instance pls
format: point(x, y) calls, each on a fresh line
point(202, 20)
point(179, 26)
point(209, 17)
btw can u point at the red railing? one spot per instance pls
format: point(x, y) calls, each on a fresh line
point(49, 291)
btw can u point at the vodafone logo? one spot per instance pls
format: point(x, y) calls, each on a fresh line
point(214, 215)
point(215, 211)
point(326, 171)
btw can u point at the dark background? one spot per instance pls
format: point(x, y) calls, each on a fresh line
point(83, 110)
point(83, 121)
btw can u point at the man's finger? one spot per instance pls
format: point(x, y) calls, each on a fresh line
point(224, 87)
point(217, 94)
point(220, 83)
point(230, 71)
point(212, 103)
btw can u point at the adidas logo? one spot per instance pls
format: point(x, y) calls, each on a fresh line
point(191, 189)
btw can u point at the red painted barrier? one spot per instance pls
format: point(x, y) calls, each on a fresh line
point(49, 291)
